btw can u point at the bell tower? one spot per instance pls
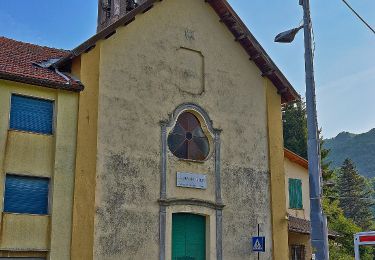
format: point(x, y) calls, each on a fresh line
point(109, 11)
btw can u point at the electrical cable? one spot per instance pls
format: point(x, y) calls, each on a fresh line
point(329, 197)
point(347, 4)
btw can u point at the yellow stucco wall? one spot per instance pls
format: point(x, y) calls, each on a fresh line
point(63, 176)
point(276, 164)
point(296, 171)
point(300, 239)
point(36, 150)
point(87, 68)
point(23, 254)
point(147, 69)
point(18, 232)
point(40, 155)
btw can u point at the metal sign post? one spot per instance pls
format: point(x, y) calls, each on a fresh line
point(363, 239)
point(258, 243)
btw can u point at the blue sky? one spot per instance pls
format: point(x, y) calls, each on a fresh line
point(344, 47)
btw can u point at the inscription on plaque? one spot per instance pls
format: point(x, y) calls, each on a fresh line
point(191, 180)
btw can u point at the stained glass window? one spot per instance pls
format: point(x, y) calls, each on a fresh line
point(187, 139)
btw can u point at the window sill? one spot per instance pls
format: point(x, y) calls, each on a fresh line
point(26, 214)
point(28, 132)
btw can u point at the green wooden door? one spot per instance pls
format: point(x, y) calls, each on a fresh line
point(188, 237)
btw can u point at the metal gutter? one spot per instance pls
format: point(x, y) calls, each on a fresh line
point(41, 82)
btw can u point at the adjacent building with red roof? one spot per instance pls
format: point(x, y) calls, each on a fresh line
point(38, 130)
point(31, 64)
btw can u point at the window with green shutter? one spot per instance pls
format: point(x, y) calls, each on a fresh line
point(295, 194)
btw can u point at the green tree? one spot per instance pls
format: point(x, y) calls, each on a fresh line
point(327, 172)
point(295, 139)
point(295, 135)
point(295, 127)
point(372, 184)
point(355, 195)
point(343, 247)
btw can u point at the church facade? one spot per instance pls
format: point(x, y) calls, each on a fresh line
point(172, 101)
point(179, 149)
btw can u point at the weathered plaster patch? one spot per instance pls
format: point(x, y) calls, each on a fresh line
point(190, 68)
point(246, 194)
point(122, 213)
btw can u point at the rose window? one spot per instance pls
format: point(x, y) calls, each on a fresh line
point(187, 140)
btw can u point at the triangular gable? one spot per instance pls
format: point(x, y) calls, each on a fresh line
point(293, 157)
point(233, 22)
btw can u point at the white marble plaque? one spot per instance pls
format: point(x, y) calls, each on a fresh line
point(191, 180)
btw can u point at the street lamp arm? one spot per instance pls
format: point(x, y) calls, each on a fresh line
point(288, 36)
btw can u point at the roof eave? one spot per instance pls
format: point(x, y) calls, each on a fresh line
point(296, 158)
point(106, 32)
point(234, 23)
point(256, 52)
point(41, 82)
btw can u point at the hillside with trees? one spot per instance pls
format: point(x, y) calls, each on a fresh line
point(348, 202)
point(360, 148)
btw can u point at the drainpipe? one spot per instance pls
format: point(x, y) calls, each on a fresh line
point(63, 75)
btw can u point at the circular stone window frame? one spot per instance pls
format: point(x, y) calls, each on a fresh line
point(205, 123)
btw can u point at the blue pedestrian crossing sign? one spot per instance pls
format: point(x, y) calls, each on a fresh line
point(259, 244)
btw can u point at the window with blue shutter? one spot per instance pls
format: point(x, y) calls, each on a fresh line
point(295, 194)
point(31, 114)
point(26, 195)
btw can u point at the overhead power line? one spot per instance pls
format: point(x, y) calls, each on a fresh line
point(333, 197)
point(363, 20)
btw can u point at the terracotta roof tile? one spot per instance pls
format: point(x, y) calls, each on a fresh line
point(302, 226)
point(17, 63)
point(299, 225)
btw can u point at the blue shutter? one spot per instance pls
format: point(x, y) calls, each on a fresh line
point(28, 195)
point(31, 114)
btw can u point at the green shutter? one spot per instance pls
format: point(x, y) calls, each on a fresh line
point(299, 194)
point(188, 237)
point(295, 194)
point(178, 235)
point(291, 193)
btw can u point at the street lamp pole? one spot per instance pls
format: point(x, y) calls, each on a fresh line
point(319, 232)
